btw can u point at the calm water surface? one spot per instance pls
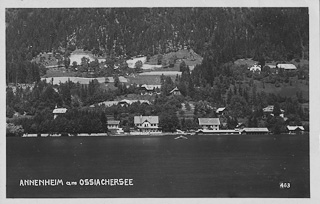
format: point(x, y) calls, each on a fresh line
point(202, 166)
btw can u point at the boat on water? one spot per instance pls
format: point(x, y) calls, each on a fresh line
point(180, 137)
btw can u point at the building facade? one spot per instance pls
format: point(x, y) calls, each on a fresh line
point(147, 123)
point(209, 123)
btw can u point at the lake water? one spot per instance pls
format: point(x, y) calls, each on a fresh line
point(246, 166)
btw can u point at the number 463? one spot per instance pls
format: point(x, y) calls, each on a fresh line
point(284, 185)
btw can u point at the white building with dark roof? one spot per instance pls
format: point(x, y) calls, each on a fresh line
point(209, 123)
point(147, 123)
point(287, 66)
point(58, 111)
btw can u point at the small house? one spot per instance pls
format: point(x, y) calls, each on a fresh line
point(220, 111)
point(175, 92)
point(295, 129)
point(147, 123)
point(58, 111)
point(255, 130)
point(209, 123)
point(113, 124)
point(287, 66)
point(255, 68)
point(149, 89)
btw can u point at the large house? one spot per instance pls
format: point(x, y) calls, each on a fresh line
point(255, 68)
point(220, 111)
point(58, 111)
point(147, 123)
point(113, 124)
point(209, 123)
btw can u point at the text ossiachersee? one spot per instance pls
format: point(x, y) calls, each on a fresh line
point(81, 182)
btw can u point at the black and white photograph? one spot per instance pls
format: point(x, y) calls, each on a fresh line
point(171, 101)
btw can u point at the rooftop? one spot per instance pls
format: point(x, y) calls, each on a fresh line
point(292, 128)
point(256, 129)
point(59, 110)
point(209, 121)
point(141, 119)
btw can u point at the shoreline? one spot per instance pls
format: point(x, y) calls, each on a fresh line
point(149, 135)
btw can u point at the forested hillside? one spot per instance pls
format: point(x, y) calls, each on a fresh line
point(219, 34)
point(225, 39)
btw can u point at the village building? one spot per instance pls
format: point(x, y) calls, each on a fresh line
point(209, 123)
point(147, 123)
point(220, 111)
point(58, 111)
point(269, 110)
point(175, 92)
point(149, 89)
point(255, 68)
point(113, 124)
point(287, 66)
point(126, 102)
point(240, 126)
point(295, 129)
point(255, 130)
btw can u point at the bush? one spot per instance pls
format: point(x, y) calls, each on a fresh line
point(14, 130)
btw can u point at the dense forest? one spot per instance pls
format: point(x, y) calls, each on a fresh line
point(220, 35)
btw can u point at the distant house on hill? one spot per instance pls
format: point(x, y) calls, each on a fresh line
point(175, 92)
point(58, 111)
point(147, 123)
point(106, 104)
point(295, 129)
point(287, 66)
point(255, 68)
point(269, 110)
point(149, 89)
point(220, 111)
point(209, 123)
point(129, 102)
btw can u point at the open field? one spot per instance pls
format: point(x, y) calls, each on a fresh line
point(285, 89)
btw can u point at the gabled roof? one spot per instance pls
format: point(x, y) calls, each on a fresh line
point(150, 87)
point(209, 121)
point(142, 119)
point(292, 128)
point(287, 66)
point(113, 122)
point(59, 110)
point(255, 129)
point(175, 89)
point(220, 109)
point(129, 102)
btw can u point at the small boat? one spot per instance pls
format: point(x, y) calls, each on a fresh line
point(181, 137)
